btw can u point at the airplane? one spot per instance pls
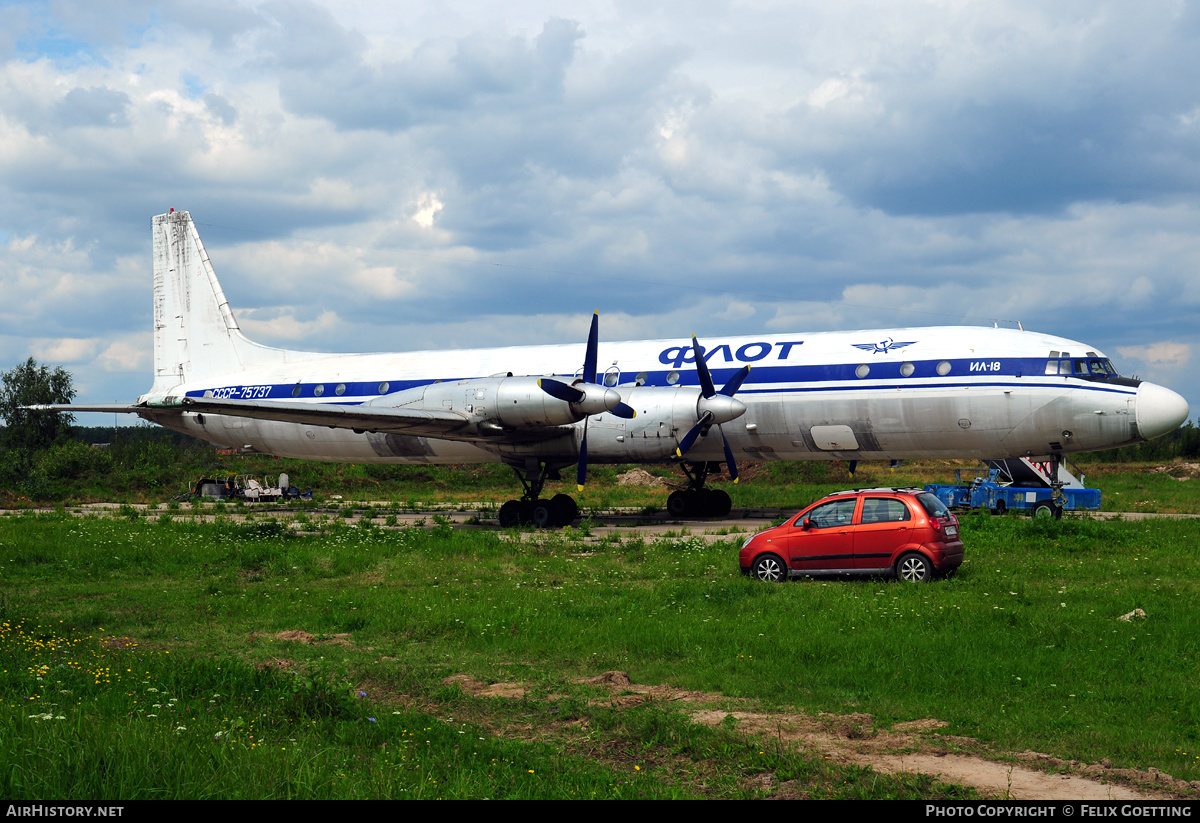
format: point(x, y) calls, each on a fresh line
point(940, 392)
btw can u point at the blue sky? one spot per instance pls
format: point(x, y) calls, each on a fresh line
point(371, 176)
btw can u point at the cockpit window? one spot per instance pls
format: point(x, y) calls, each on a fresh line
point(1091, 368)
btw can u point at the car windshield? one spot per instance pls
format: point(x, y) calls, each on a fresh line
point(933, 507)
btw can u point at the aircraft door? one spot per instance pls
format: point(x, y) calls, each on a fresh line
point(885, 524)
point(828, 540)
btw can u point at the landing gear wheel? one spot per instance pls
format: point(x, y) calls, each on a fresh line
point(541, 514)
point(719, 503)
point(769, 568)
point(510, 514)
point(564, 508)
point(526, 511)
point(914, 568)
point(678, 504)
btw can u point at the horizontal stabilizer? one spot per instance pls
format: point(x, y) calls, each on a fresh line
point(107, 408)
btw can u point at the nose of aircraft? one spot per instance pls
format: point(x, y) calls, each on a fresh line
point(1159, 410)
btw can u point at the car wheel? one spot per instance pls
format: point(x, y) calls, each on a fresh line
point(769, 568)
point(1001, 508)
point(914, 568)
point(1043, 509)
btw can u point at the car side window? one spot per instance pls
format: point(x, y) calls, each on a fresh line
point(837, 513)
point(884, 510)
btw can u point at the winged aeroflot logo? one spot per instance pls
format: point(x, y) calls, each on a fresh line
point(883, 346)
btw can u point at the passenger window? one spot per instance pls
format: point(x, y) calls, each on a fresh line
point(838, 513)
point(884, 510)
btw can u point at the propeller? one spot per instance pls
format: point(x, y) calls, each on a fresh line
point(715, 407)
point(586, 396)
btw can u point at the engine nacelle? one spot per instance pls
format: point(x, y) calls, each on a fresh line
point(516, 402)
point(664, 415)
point(521, 402)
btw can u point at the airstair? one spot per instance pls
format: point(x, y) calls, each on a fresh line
point(1021, 471)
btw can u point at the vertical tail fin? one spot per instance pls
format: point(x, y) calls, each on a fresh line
point(195, 333)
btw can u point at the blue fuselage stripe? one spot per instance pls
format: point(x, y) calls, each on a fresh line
point(836, 377)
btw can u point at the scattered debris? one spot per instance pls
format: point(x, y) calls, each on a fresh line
point(1135, 613)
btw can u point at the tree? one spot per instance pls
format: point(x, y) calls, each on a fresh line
point(30, 384)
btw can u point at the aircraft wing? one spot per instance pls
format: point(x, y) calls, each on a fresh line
point(444, 425)
point(360, 418)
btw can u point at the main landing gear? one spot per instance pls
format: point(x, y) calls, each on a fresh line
point(530, 510)
point(1057, 498)
point(696, 500)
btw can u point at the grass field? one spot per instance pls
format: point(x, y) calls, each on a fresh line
point(165, 659)
point(144, 468)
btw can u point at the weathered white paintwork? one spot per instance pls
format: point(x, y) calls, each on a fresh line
point(970, 392)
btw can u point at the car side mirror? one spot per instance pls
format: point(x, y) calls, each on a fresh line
point(806, 523)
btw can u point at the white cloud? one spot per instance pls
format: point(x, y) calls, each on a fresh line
point(284, 327)
point(428, 205)
point(1167, 354)
point(66, 351)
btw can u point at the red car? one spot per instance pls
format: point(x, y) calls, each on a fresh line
point(905, 532)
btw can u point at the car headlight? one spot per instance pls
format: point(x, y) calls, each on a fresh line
point(747, 541)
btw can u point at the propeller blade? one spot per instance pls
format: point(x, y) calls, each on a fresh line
point(706, 384)
point(729, 462)
point(560, 391)
point(735, 382)
point(623, 410)
point(589, 358)
point(689, 439)
point(581, 472)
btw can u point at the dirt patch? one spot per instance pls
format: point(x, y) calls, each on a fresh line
point(627, 693)
point(1180, 471)
point(298, 636)
point(854, 739)
point(479, 689)
point(915, 746)
point(639, 477)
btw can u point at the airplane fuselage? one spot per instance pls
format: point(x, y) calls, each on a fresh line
point(952, 392)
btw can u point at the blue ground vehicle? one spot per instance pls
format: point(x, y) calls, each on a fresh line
point(993, 488)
